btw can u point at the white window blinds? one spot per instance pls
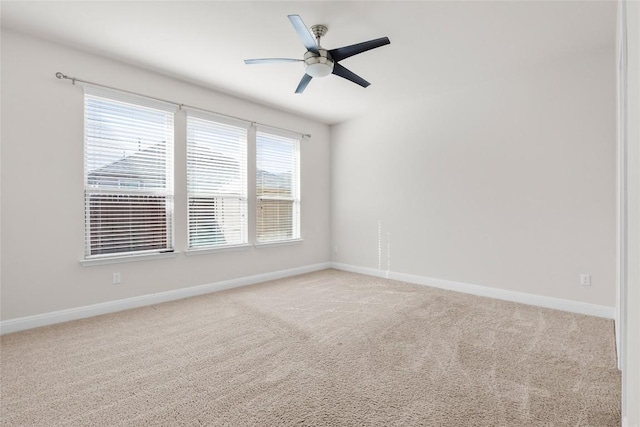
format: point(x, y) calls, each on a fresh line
point(277, 187)
point(128, 174)
point(216, 181)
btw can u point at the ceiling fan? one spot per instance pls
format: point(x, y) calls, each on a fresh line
point(320, 62)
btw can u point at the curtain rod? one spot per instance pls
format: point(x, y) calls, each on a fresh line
point(180, 105)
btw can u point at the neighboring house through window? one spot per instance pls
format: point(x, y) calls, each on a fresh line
point(128, 174)
point(277, 186)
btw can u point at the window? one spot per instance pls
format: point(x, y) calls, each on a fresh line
point(216, 181)
point(277, 187)
point(128, 174)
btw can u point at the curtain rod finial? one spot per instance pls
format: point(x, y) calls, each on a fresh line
point(60, 75)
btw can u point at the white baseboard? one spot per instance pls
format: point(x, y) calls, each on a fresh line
point(485, 291)
point(28, 322)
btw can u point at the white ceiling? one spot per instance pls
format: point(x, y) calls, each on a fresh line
point(435, 46)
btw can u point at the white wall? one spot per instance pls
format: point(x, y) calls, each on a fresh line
point(42, 185)
point(631, 370)
point(508, 184)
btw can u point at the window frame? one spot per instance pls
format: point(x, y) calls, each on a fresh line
point(242, 196)
point(166, 127)
point(295, 199)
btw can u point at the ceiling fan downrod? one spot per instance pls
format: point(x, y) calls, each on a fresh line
point(319, 31)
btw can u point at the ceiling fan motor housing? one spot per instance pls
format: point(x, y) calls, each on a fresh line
point(318, 65)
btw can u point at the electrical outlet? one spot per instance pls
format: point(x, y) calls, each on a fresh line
point(117, 278)
point(335, 249)
point(585, 279)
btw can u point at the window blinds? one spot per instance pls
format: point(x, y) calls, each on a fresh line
point(277, 187)
point(128, 174)
point(216, 181)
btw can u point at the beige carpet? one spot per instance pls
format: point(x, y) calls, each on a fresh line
point(323, 349)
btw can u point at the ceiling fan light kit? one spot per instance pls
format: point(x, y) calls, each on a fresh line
point(318, 66)
point(320, 62)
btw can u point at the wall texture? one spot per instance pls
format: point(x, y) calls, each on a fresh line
point(508, 184)
point(42, 185)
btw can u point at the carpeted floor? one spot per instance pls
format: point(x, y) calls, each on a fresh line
point(323, 349)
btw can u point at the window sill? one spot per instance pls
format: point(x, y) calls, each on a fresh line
point(192, 252)
point(278, 243)
point(126, 258)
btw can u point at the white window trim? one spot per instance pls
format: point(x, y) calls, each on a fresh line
point(278, 243)
point(246, 125)
point(117, 259)
point(120, 96)
point(296, 199)
point(225, 248)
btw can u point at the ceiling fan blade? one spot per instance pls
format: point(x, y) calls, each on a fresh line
point(270, 60)
point(303, 32)
point(303, 83)
point(344, 52)
point(339, 70)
